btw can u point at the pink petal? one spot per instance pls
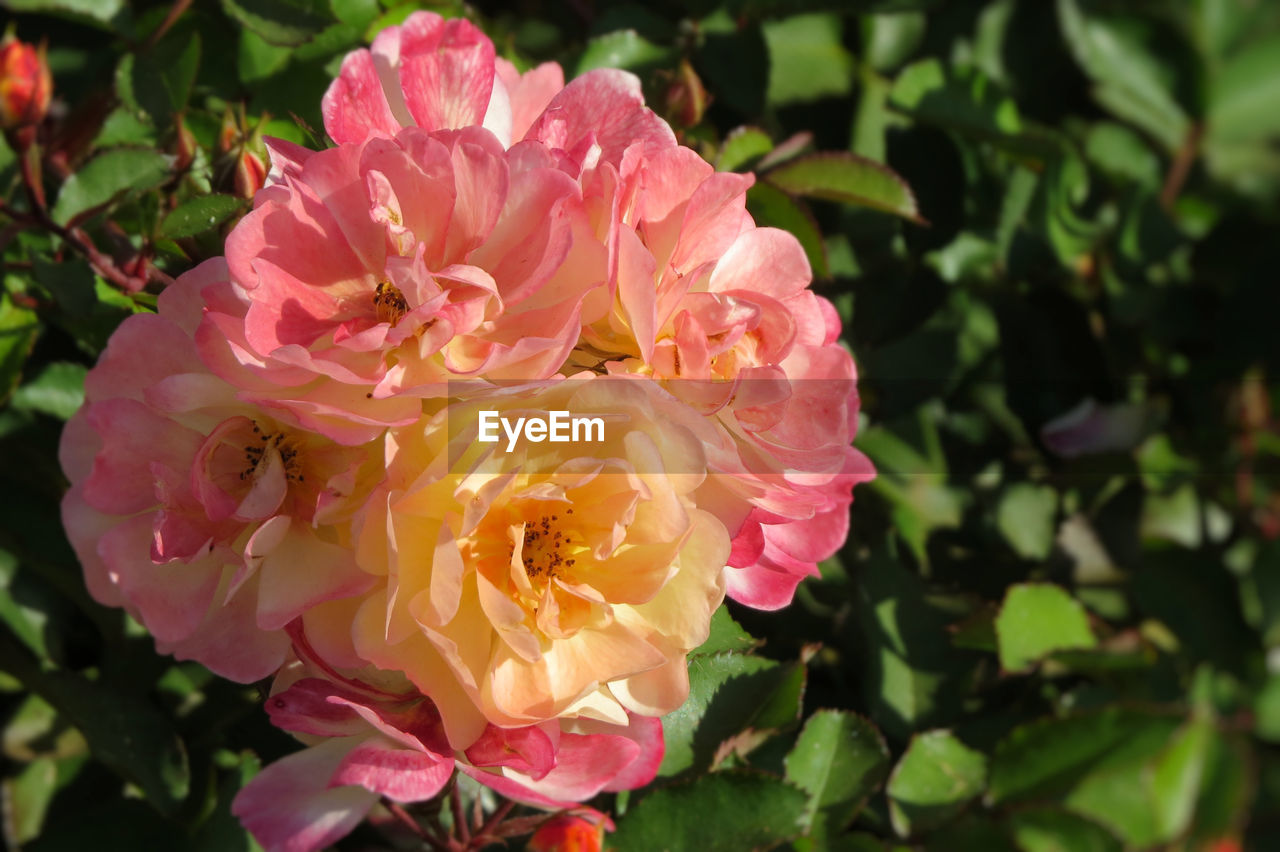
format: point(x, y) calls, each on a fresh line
point(528, 750)
point(354, 105)
point(291, 807)
point(529, 93)
point(608, 104)
point(400, 774)
point(446, 71)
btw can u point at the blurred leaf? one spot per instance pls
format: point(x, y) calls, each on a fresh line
point(807, 60)
point(1122, 154)
point(1121, 55)
point(1051, 830)
point(70, 284)
point(889, 40)
point(108, 176)
point(846, 177)
point(725, 812)
point(1244, 97)
point(621, 49)
point(356, 13)
point(1036, 619)
point(960, 100)
point(741, 146)
point(1177, 775)
point(257, 59)
point(288, 23)
point(840, 759)
point(95, 11)
point(1266, 709)
point(57, 391)
point(27, 794)
point(125, 732)
point(936, 777)
point(1025, 518)
point(18, 332)
point(200, 214)
point(159, 81)
point(1047, 757)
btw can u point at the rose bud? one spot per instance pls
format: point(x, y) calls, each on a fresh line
point(25, 84)
point(251, 174)
point(567, 833)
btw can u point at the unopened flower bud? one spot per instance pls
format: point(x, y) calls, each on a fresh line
point(687, 98)
point(567, 833)
point(251, 174)
point(25, 84)
point(185, 146)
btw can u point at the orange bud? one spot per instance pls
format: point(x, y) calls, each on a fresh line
point(251, 174)
point(687, 98)
point(25, 84)
point(566, 833)
point(185, 145)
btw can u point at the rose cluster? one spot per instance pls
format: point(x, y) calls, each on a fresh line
point(278, 473)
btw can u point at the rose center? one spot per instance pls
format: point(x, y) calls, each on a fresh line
point(389, 304)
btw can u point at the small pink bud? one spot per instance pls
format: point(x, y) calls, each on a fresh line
point(25, 84)
point(251, 174)
point(185, 146)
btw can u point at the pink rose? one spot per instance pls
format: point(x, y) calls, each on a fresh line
point(211, 522)
point(370, 275)
point(367, 743)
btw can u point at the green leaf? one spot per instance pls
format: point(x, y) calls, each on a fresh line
point(622, 49)
point(27, 795)
point(807, 60)
point(889, 40)
point(1122, 57)
point(726, 635)
point(741, 146)
point(1244, 97)
point(936, 777)
point(288, 23)
point(125, 732)
point(724, 812)
point(1052, 830)
point(840, 759)
point(158, 82)
point(1025, 518)
point(19, 329)
point(773, 208)
point(257, 59)
point(958, 99)
point(200, 214)
point(58, 391)
point(1266, 711)
point(727, 694)
point(107, 177)
point(355, 13)
point(846, 177)
point(1037, 619)
point(1050, 756)
point(100, 12)
point(1177, 775)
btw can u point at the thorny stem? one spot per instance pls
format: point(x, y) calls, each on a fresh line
point(102, 264)
point(483, 832)
point(175, 12)
point(459, 818)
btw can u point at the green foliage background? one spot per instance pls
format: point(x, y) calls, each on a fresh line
point(1015, 650)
